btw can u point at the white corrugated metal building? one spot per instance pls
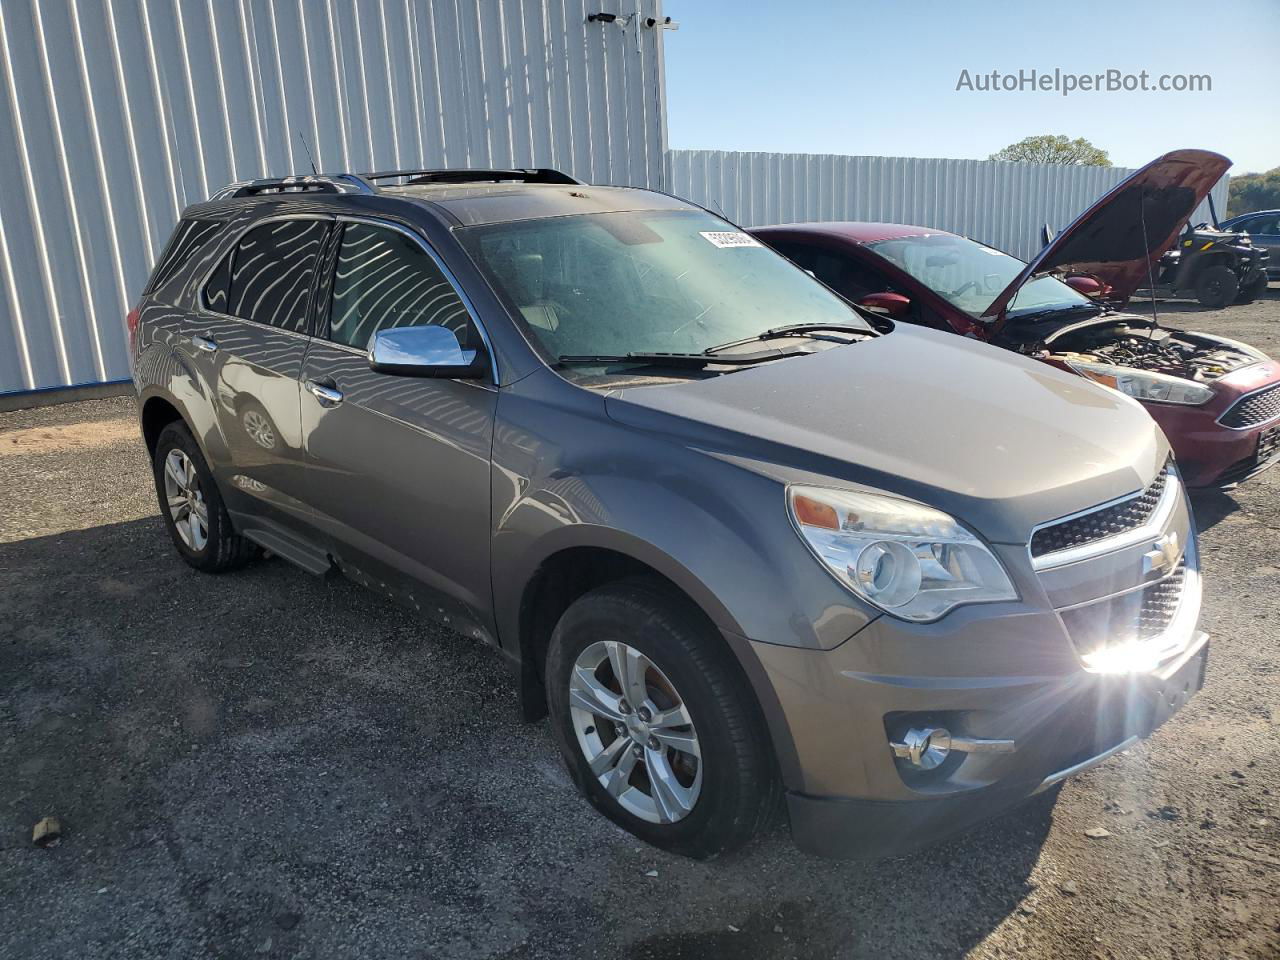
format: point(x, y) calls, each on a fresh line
point(115, 114)
point(1001, 204)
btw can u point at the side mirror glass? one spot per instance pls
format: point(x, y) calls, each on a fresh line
point(891, 304)
point(427, 351)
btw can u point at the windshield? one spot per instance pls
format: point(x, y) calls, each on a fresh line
point(970, 275)
point(646, 282)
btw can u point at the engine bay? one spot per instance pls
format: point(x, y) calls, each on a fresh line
point(1175, 353)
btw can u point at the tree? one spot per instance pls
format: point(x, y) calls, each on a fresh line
point(1051, 148)
point(1254, 191)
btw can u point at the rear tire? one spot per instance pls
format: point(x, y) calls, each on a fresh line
point(1252, 290)
point(192, 506)
point(1216, 286)
point(717, 800)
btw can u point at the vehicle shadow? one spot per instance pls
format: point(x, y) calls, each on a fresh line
point(939, 903)
point(1211, 506)
point(275, 746)
point(1142, 305)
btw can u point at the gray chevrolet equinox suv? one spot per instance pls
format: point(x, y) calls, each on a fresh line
point(744, 543)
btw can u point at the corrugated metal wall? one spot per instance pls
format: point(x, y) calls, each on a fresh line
point(115, 114)
point(1001, 204)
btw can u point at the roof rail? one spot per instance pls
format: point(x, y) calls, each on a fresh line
point(521, 174)
point(315, 183)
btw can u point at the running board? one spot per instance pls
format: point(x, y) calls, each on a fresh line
point(299, 554)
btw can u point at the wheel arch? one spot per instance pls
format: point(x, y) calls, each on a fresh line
point(155, 413)
point(568, 571)
point(571, 562)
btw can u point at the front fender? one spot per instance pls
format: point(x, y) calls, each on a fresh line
point(564, 475)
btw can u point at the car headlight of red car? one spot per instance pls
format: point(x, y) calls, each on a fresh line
point(1145, 384)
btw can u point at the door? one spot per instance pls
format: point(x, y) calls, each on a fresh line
point(1264, 231)
point(250, 338)
point(399, 466)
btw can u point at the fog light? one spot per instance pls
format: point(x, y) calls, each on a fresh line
point(927, 748)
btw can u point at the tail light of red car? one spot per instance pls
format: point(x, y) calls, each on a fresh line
point(131, 322)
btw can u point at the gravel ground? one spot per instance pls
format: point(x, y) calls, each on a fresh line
point(267, 764)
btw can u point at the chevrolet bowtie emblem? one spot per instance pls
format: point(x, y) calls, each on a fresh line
point(1163, 555)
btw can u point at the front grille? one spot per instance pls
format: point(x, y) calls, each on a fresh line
point(1100, 524)
point(1139, 615)
point(1254, 409)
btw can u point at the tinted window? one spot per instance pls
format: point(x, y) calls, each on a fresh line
point(189, 237)
point(385, 279)
point(842, 274)
point(270, 271)
point(215, 291)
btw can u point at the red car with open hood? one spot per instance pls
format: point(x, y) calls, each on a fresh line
point(1218, 400)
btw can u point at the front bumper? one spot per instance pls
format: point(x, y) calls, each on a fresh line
point(1080, 725)
point(1100, 648)
point(1211, 454)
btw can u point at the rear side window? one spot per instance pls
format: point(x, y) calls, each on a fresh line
point(267, 276)
point(385, 279)
point(187, 239)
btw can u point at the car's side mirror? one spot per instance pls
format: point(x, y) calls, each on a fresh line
point(891, 304)
point(1089, 286)
point(1046, 235)
point(427, 351)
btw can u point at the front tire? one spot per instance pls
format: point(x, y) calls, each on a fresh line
point(192, 506)
point(686, 766)
point(1216, 286)
point(1252, 290)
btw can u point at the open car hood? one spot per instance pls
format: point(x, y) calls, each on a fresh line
point(1109, 241)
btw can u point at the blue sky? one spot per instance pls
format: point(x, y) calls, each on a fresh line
point(879, 77)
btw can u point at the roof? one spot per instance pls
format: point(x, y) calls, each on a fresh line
point(466, 197)
point(479, 203)
point(855, 230)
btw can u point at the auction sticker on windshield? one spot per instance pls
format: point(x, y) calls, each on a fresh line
point(729, 238)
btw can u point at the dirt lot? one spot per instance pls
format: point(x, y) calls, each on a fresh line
point(271, 765)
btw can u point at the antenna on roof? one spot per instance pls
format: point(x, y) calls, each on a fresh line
point(307, 148)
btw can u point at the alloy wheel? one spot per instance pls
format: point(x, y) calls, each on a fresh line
point(185, 500)
point(635, 732)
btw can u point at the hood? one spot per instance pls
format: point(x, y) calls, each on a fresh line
point(1000, 441)
point(1108, 241)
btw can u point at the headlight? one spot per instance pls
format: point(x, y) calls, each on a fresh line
point(909, 560)
point(1143, 384)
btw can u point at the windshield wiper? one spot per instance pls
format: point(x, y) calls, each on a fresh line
point(791, 330)
point(689, 360)
point(1050, 311)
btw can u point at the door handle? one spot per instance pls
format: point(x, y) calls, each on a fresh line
point(327, 395)
point(205, 344)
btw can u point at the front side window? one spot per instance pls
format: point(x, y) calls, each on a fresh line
point(841, 273)
point(1263, 225)
point(645, 281)
point(267, 276)
point(971, 275)
point(385, 279)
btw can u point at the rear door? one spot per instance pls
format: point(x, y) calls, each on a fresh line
point(250, 336)
point(399, 466)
